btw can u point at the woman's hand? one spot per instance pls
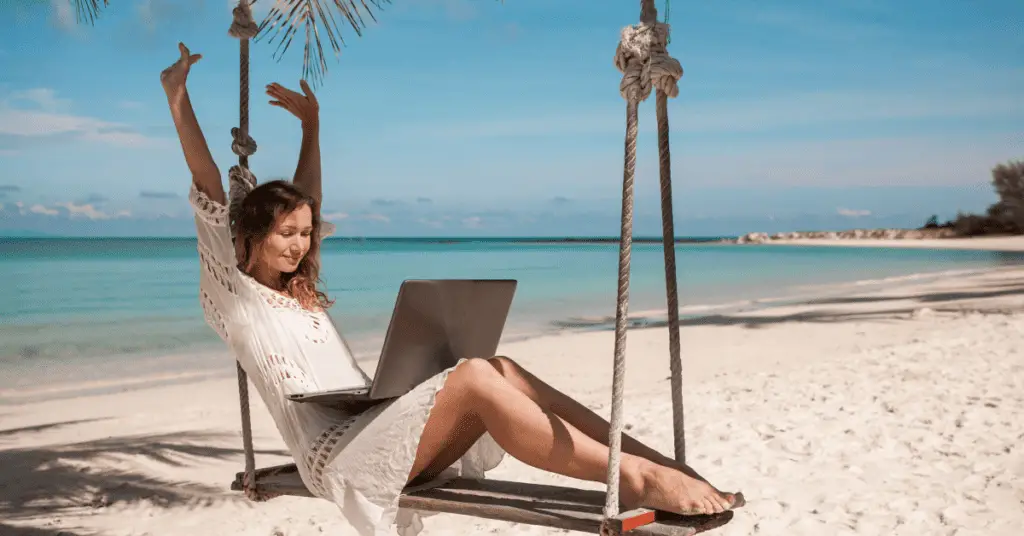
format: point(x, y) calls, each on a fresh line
point(302, 105)
point(173, 78)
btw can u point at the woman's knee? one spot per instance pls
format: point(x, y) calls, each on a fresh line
point(504, 365)
point(473, 373)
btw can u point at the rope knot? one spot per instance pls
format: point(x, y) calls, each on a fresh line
point(253, 493)
point(665, 70)
point(642, 59)
point(243, 26)
point(241, 181)
point(243, 144)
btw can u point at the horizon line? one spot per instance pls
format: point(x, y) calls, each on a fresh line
point(635, 238)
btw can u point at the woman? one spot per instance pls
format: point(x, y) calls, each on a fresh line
point(259, 293)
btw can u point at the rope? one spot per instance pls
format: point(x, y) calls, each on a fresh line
point(672, 293)
point(665, 74)
point(668, 6)
point(642, 58)
point(243, 27)
point(242, 144)
point(249, 481)
point(241, 182)
point(611, 505)
point(632, 58)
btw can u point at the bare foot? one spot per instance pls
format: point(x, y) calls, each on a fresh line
point(685, 469)
point(671, 490)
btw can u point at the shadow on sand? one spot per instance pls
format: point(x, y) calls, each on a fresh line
point(55, 480)
point(945, 301)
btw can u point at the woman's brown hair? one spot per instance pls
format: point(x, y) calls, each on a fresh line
point(256, 218)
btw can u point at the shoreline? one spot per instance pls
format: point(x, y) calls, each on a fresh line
point(1002, 244)
point(215, 363)
point(886, 238)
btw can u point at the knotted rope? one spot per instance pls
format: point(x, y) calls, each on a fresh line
point(242, 144)
point(243, 26)
point(632, 59)
point(241, 182)
point(665, 74)
point(642, 58)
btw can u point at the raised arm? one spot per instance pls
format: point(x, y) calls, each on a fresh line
point(305, 107)
point(197, 154)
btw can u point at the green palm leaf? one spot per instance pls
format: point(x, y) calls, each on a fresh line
point(319, 19)
point(88, 10)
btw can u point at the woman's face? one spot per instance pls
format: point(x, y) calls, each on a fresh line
point(287, 244)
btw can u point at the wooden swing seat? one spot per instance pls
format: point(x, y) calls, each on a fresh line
point(533, 504)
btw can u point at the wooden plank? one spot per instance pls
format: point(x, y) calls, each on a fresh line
point(627, 521)
point(515, 502)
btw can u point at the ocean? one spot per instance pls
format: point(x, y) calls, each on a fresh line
point(89, 308)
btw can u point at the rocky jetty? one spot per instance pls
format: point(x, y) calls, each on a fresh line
point(852, 234)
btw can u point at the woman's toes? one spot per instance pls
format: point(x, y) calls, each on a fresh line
point(693, 508)
point(711, 506)
point(722, 501)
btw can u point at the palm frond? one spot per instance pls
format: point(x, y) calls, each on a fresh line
point(88, 10)
point(318, 19)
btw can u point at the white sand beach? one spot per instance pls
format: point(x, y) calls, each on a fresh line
point(987, 243)
point(894, 411)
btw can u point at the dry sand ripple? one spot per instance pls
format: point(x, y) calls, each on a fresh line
point(923, 438)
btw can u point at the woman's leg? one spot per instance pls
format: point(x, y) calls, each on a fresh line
point(476, 396)
point(578, 415)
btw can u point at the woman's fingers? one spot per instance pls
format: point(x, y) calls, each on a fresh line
point(282, 99)
point(287, 99)
point(294, 96)
point(307, 91)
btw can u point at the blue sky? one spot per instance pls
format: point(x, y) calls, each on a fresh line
point(475, 117)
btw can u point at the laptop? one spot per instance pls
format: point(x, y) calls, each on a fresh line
point(435, 323)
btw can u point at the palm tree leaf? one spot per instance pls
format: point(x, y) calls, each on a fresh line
point(317, 17)
point(283, 22)
point(88, 10)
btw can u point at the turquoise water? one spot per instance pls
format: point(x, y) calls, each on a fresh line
point(72, 303)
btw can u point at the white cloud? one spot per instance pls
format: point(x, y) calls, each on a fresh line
point(38, 113)
point(40, 209)
point(90, 212)
point(436, 224)
point(936, 159)
point(334, 216)
point(472, 222)
point(64, 14)
point(766, 114)
point(45, 99)
point(820, 26)
point(852, 213)
point(375, 217)
point(131, 105)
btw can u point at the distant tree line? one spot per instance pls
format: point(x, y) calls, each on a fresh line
point(1005, 216)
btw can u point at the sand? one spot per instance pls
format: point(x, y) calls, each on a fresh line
point(895, 411)
point(990, 243)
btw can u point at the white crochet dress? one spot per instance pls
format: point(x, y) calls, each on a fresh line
point(360, 462)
